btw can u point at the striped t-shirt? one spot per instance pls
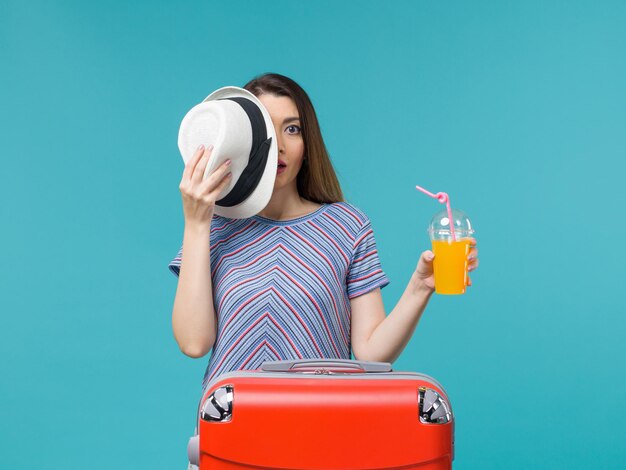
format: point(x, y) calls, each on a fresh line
point(281, 289)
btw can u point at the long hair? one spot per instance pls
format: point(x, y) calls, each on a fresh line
point(316, 180)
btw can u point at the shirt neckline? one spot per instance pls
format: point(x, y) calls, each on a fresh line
point(297, 220)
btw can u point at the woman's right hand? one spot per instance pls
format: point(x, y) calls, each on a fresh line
point(199, 196)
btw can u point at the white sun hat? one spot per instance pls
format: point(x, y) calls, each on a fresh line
point(240, 128)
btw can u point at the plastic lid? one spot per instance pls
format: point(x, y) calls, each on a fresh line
point(439, 228)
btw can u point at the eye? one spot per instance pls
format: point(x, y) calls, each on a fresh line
point(293, 129)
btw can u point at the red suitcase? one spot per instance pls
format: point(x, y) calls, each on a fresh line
point(320, 414)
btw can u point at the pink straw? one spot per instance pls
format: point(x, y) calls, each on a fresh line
point(444, 199)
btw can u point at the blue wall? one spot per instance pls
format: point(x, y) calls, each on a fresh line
point(514, 108)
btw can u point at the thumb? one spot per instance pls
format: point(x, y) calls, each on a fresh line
point(424, 265)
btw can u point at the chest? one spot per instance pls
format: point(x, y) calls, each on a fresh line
point(282, 265)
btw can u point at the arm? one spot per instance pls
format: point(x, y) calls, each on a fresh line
point(193, 316)
point(379, 338)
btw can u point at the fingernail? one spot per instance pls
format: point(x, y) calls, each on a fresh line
point(211, 147)
point(200, 147)
point(228, 162)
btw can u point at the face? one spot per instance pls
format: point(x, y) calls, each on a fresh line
point(286, 119)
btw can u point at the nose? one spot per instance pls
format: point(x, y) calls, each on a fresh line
point(279, 142)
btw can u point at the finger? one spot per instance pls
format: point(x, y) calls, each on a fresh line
point(218, 189)
point(424, 265)
point(469, 281)
point(426, 257)
point(472, 242)
point(473, 254)
point(191, 163)
point(215, 178)
point(198, 171)
point(472, 266)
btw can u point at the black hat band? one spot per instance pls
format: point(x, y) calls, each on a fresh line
point(259, 151)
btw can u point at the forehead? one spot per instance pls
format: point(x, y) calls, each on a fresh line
point(279, 107)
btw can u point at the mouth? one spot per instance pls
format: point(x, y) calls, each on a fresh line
point(281, 166)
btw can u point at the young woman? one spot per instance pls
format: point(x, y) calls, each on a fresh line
point(302, 278)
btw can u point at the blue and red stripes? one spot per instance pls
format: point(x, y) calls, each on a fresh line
point(282, 289)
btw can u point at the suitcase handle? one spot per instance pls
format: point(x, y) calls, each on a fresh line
point(324, 366)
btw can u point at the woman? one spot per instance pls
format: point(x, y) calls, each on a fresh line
point(302, 278)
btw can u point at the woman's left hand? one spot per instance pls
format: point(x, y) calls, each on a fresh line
point(424, 274)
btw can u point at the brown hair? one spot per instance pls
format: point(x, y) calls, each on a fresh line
point(316, 180)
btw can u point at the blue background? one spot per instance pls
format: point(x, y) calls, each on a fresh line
point(517, 109)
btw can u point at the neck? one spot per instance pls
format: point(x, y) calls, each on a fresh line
point(284, 204)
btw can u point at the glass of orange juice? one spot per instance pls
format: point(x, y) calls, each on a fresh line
point(451, 252)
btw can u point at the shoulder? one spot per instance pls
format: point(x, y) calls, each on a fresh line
point(350, 215)
point(219, 223)
point(224, 228)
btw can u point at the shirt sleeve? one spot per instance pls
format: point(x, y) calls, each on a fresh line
point(365, 271)
point(175, 263)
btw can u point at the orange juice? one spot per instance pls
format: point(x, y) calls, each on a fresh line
point(450, 265)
